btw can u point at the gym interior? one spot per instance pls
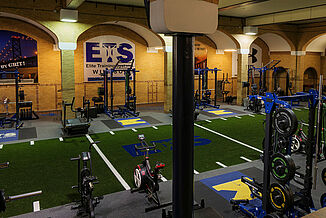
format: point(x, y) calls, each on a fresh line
point(162, 108)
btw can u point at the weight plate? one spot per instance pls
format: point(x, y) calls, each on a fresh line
point(295, 144)
point(272, 215)
point(281, 197)
point(323, 176)
point(282, 167)
point(323, 200)
point(285, 122)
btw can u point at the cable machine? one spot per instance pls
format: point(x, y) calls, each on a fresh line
point(129, 108)
point(203, 94)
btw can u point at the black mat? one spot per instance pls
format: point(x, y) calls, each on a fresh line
point(150, 120)
point(112, 124)
point(206, 212)
point(216, 201)
point(27, 133)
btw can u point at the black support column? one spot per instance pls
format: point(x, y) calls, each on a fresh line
point(183, 125)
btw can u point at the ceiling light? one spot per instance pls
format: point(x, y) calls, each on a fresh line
point(250, 30)
point(70, 16)
point(230, 50)
point(158, 48)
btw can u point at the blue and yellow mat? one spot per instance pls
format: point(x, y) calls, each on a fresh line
point(229, 186)
point(8, 135)
point(131, 122)
point(220, 112)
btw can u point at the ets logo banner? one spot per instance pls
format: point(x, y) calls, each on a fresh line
point(104, 52)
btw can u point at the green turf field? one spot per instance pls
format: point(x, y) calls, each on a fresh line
point(46, 166)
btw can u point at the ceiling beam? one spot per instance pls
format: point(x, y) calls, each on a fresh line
point(240, 4)
point(74, 4)
point(288, 16)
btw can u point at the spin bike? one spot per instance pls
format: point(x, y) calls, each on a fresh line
point(147, 179)
point(86, 182)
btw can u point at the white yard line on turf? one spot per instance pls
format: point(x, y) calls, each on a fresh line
point(208, 121)
point(61, 139)
point(251, 115)
point(237, 117)
point(220, 164)
point(246, 159)
point(163, 178)
point(263, 113)
point(154, 127)
point(223, 118)
point(135, 130)
point(227, 137)
point(297, 109)
point(108, 163)
point(306, 108)
point(196, 172)
point(111, 132)
point(36, 206)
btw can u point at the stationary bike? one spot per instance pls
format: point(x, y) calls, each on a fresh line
point(147, 179)
point(86, 182)
point(299, 140)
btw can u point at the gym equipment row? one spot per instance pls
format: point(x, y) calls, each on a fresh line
point(24, 109)
point(14, 120)
point(279, 199)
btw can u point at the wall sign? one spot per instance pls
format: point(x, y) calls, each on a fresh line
point(255, 57)
point(104, 52)
point(18, 51)
point(200, 56)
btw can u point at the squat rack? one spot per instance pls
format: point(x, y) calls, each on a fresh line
point(262, 76)
point(130, 95)
point(203, 87)
point(15, 118)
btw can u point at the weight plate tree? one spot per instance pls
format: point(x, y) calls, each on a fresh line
point(282, 167)
point(281, 197)
point(323, 200)
point(323, 176)
point(285, 122)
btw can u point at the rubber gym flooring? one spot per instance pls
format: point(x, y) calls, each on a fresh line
point(46, 165)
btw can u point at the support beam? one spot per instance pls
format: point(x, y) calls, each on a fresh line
point(74, 4)
point(183, 125)
point(288, 16)
point(68, 78)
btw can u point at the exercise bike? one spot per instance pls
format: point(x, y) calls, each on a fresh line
point(86, 182)
point(299, 140)
point(147, 179)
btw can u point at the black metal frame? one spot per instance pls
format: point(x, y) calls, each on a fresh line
point(16, 117)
